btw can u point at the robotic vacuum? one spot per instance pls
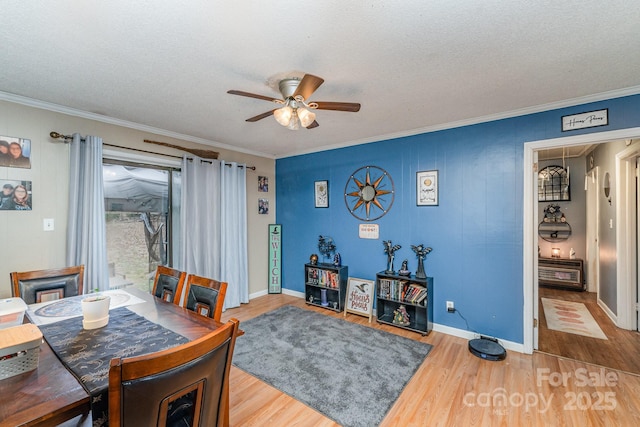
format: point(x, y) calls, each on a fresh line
point(487, 348)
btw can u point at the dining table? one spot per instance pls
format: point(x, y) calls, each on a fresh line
point(51, 393)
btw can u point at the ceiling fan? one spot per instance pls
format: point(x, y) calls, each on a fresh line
point(296, 109)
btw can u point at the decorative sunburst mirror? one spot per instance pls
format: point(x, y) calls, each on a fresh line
point(369, 193)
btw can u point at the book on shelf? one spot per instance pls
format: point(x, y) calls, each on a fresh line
point(418, 295)
point(320, 277)
point(312, 276)
point(385, 288)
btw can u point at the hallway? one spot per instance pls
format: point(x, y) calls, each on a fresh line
point(621, 350)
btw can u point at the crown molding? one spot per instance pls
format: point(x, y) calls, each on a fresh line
point(619, 93)
point(56, 108)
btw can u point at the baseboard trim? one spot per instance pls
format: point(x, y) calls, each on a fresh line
point(461, 333)
point(509, 345)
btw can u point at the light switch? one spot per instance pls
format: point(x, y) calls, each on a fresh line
point(610, 222)
point(47, 224)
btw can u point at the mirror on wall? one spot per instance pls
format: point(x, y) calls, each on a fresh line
point(553, 184)
point(606, 186)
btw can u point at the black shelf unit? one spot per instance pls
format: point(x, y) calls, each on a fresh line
point(389, 288)
point(328, 277)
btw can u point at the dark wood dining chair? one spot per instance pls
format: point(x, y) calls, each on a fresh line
point(205, 296)
point(168, 284)
point(183, 385)
point(46, 285)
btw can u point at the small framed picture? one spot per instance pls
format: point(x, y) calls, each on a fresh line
point(263, 184)
point(322, 194)
point(263, 206)
point(15, 195)
point(15, 152)
point(427, 188)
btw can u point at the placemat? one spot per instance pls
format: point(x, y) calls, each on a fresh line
point(65, 308)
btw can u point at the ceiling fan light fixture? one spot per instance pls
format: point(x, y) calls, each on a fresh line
point(295, 109)
point(283, 115)
point(306, 117)
point(294, 124)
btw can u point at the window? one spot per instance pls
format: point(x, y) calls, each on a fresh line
point(142, 213)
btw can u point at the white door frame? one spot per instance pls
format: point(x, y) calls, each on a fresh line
point(593, 232)
point(638, 238)
point(626, 249)
point(624, 221)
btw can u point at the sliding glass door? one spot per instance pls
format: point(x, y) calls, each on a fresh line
point(142, 213)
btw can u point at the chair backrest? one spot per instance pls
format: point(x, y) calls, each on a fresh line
point(205, 296)
point(46, 285)
point(168, 284)
point(184, 385)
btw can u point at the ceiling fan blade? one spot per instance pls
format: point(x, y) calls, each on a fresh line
point(260, 116)
point(339, 106)
point(313, 125)
point(253, 95)
point(307, 86)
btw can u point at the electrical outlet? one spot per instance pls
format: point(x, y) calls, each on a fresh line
point(450, 307)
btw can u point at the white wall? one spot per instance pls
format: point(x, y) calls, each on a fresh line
point(23, 243)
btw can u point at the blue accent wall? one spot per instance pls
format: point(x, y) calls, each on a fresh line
point(475, 231)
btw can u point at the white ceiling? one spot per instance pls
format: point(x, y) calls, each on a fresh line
point(414, 65)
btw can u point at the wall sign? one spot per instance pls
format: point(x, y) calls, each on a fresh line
point(589, 119)
point(359, 297)
point(368, 231)
point(275, 259)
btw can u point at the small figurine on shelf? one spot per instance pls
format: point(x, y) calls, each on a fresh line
point(400, 316)
point(390, 249)
point(326, 246)
point(313, 259)
point(421, 252)
point(404, 269)
point(337, 261)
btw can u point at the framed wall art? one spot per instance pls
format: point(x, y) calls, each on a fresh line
point(263, 184)
point(263, 206)
point(359, 298)
point(15, 152)
point(322, 194)
point(589, 119)
point(427, 188)
point(15, 195)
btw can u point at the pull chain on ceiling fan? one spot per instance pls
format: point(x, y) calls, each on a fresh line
point(296, 110)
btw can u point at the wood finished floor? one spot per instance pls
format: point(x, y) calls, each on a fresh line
point(620, 351)
point(454, 388)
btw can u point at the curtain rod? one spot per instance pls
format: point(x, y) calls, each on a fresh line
point(56, 135)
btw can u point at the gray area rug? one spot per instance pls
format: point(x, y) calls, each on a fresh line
point(351, 373)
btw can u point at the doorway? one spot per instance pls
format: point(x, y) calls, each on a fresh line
point(626, 231)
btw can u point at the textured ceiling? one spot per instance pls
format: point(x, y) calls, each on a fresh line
point(413, 65)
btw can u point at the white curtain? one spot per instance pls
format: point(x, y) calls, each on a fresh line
point(86, 230)
point(233, 239)
point(214, 223)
